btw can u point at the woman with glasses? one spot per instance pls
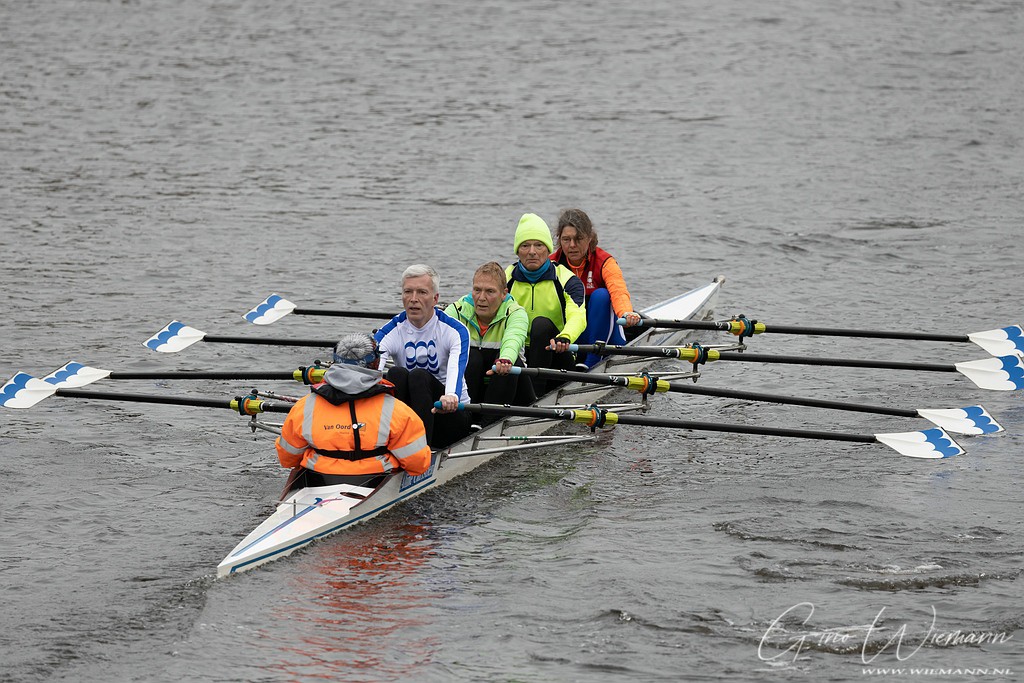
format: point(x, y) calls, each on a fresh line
point(607, 297)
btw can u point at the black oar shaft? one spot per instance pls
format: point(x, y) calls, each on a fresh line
point(743, 429)
point(165, 400)
point(203, 375)
point(645, 420)
point(344, 314)
point(682, 388)
point(799, 329)
point(677, 352)
point(835, 362)
point(323, 343)
point(790, 400)
point(866, 334)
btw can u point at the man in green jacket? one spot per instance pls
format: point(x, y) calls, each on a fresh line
point(497, 334)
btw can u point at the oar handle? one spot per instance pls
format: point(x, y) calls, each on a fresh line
point(647, 385)
point(683, 353)
point(680, 324)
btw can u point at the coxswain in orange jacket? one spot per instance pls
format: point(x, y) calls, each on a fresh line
point(352, 425)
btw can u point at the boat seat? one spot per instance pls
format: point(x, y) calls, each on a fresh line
point(310, 478)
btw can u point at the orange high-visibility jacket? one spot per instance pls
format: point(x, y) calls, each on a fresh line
point(321, 436)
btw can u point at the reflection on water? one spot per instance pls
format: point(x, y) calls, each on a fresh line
point(359, 612)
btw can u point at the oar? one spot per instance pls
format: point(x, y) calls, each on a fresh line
point(930, 443)
point(177, 336)
point(273, 308)
point(1000, 374)
point(968, 420)
point(1001, 342)
point(24, 391)
point(73, 374)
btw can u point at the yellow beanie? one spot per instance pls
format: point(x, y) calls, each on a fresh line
point(532, 227)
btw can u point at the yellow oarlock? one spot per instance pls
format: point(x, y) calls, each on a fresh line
point(248, 405)
point(642, 384)
point(746, 327)
point(689, 354)
point(310, 375)
point(593, 418)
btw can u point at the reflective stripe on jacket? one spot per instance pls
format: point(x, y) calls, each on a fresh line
point(315, 427)
point(507, 331)
point(568, 312)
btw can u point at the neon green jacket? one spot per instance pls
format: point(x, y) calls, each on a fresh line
point(507, 332)
point(568, 312)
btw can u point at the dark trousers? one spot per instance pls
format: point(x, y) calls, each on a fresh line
point(601, 326)
point(499, 389)
point(419, 390)
point(542, 331)
point(484, 388)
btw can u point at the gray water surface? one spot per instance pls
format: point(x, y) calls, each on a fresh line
point(847, 164)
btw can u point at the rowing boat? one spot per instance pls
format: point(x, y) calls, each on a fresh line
point(311, 509)
point(305, 514)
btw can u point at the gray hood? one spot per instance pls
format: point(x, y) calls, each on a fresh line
point(352, 379)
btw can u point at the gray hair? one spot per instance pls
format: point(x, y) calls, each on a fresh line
point(422, 269)
point(356, 349)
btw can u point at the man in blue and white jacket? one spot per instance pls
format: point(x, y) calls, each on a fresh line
point(430, 350)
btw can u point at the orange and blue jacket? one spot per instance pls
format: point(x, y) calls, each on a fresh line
point(600, 269)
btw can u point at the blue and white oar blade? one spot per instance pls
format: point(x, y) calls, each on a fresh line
point(24, 391)
point(270, 310)
point(173, 338)
point(1005, 373)
point(969, 420)
point(75, 375)
point(1008, 341)
point(929, 443)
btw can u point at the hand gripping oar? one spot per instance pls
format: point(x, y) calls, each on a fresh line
point(1001, 342)
point(273, 308)
point(177, 336)
point(968, 420)
point(24, 391)
point(1000, 374)
point(930, 443)
point(19, 392)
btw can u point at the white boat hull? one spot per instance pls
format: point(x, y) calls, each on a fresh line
point(307, 514)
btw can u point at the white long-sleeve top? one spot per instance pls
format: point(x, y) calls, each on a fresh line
point(441, 347)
